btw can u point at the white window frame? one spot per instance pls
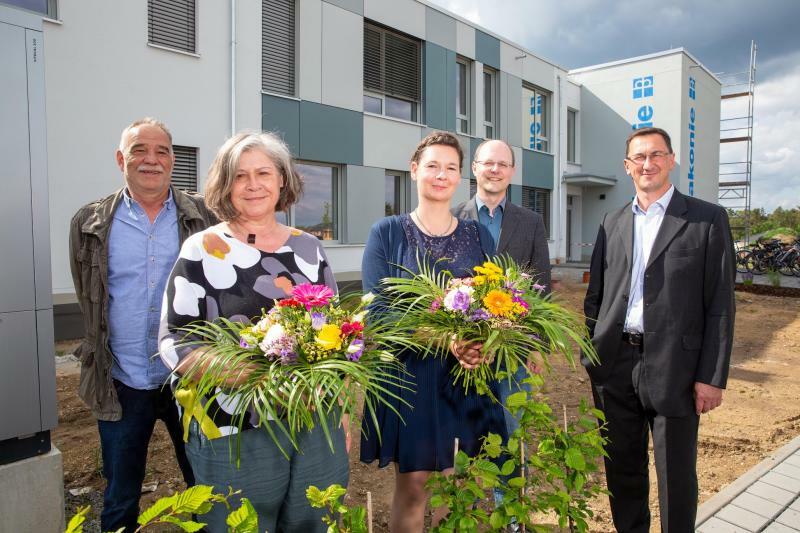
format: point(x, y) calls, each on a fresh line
point(544, 136)
point(401, 189)
point(492, 87)
point(463, 120)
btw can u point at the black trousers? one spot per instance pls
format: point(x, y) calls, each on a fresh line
point(629, 413)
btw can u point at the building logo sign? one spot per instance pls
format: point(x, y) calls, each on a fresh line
point(692, 133)
point(643, 89)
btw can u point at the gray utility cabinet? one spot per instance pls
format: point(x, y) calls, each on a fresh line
point(27, 364)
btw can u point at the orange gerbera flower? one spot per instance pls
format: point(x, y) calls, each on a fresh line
point(498, 302)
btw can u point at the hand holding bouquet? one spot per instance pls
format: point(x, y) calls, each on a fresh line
point(307, 355)
point(500, 308)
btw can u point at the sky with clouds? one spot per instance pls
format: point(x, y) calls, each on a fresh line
point(579, 33)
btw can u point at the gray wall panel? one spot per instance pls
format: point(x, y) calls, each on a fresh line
point(354, 6)
point(342, 58)
point(365, 201)
point(389, 143)
point(487, 49)
point(331, 134)
point(513, 116)
point(515, 194)
point(440, 29)
point(47, 369)
point(502, 121)
point(39, 189)
point(439, 87)
point(17, 288)
point(537, 169)
point(309, 44)
point(19, 379)
point(282, 115)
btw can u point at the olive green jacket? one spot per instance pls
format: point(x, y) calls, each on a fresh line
point(88, 252)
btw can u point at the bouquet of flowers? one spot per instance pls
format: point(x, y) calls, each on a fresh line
point(500, 306)
point(304, 362)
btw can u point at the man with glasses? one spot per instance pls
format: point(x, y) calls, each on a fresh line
point(517, 232)
point(660, 309)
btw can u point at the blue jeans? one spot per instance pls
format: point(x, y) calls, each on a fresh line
point(275, 485)
point(124, 447)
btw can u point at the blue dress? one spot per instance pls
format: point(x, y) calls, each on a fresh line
point(440, 411)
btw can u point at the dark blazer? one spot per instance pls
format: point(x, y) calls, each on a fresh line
point(522, 236)
point(688, 300)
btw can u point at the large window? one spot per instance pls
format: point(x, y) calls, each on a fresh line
point(535, 118)
point(317, 212)
point(489, 102)
point(463, 95)
point(395, 185)
point(172, 23)
point(391, 73)
point(538, 200)
point(572, 138)
point(184, 173)
point(278, 46)
point(48, 8)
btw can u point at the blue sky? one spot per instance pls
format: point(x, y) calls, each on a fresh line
point(578, 33)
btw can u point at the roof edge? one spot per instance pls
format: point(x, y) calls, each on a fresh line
point(654, 55)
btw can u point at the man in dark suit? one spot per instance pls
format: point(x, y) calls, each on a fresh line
point(517, 231)
point(660, 309)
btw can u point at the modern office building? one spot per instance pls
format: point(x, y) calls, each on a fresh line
point(352, 86)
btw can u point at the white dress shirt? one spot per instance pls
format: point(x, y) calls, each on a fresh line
point(645, 229)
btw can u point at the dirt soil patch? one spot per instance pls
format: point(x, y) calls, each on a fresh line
point(760, 413)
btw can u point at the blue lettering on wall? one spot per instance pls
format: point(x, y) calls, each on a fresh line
point(643, 87)
point(692, 134)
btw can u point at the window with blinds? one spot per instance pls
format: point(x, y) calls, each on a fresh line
point(391, 73)
point(184, 173)
point(172, 23)
point(538, 200)
point(278, 46)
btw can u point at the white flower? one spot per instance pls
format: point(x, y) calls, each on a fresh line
point(263, 325)
point(454, 296)
point(367, 298)
point(274, 333)
point(359, 317)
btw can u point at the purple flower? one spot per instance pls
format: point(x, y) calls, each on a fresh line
point(318, 320)
point(520, 301)
point(478, 315)
point(288, 356)
point(461, 301)
point(243, 344)
point(355, 349)
point(538, 287)
point(436, 304)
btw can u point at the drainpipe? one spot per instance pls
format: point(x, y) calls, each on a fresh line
point(559, 174)
point(233, 67)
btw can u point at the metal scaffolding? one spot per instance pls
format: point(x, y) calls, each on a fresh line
point(735, 174)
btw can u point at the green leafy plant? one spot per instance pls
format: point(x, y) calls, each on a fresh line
point(556, 478)
point(774, 277)
point(179, 508)
point(340, 518)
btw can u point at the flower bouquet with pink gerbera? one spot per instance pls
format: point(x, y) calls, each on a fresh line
point(308, 360)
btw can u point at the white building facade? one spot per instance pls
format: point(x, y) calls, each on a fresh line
point(352, 86)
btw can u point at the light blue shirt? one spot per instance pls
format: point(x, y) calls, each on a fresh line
point(645, 229)
point(492, 220)
point(140, 257)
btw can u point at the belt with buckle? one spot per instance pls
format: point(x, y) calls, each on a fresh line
point(633, 338)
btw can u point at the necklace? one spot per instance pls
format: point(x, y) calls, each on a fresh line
point(429, 232)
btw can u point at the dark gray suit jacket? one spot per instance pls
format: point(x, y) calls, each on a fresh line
point(522, 236)
point(688, 300)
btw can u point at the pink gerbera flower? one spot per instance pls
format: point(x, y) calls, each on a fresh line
point(311, 295)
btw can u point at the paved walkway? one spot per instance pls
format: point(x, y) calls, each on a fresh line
point(765, 499)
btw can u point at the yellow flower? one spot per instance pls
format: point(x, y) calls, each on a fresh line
point(487, 273)
point(330, 337)
point(498, 302)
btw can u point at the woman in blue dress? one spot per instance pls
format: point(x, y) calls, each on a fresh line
point(438, 411)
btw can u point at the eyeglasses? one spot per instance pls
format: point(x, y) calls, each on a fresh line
point(639, 159)
point(502, 165)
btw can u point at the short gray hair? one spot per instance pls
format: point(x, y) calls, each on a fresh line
point(510, 149)
point(150, 121)
point(223, 172)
